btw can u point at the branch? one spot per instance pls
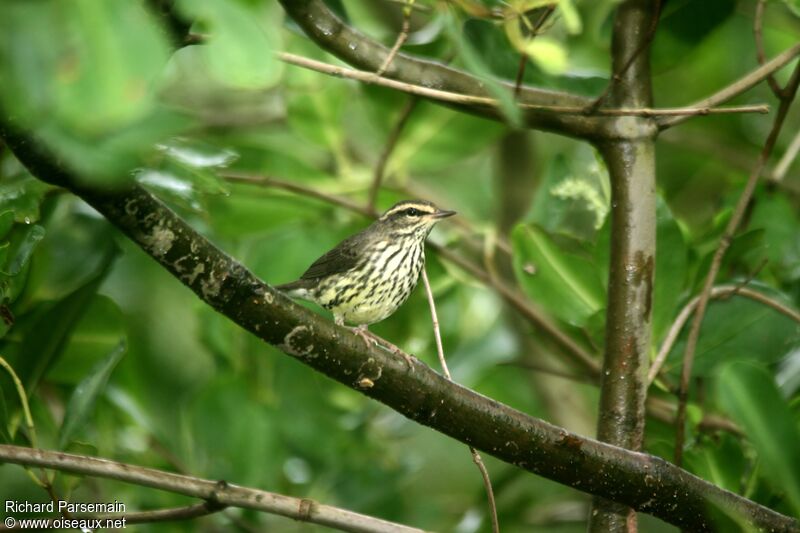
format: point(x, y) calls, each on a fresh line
point(218, 494)
point(513, 297)
point(336, 37)
point(786, 160)
point(745, 83)
point(717, 293)
point(788, 94)
point(401, 39)
point(632, 172)
point(644, 482)
point(524, 307)
point(758, 24)
point(487, 102)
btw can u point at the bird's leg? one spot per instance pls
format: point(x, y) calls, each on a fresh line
point(369, 338)
point(360, 331)
point(365, 333)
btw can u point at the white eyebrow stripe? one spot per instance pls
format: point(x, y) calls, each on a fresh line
point(402, 207)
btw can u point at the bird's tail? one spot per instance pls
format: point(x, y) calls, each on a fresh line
point(295, 289)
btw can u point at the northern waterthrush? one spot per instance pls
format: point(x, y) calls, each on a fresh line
point(366, 277)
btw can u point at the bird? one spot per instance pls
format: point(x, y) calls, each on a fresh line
point(365, 278)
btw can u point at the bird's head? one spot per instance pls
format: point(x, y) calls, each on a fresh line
point(412, 217)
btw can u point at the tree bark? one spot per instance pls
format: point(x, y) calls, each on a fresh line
point(631, 165)
point(640, 481)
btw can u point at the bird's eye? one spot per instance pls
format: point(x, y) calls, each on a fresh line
point(412, 212)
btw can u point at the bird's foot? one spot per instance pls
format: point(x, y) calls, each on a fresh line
point(369, 337)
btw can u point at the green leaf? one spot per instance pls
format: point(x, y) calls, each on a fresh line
point(719, 459)
point(794, 6)
point(672, 264)
point(81, 403)
point(89, 63)
point(6, 221)
point(97, 333)
point(22, 248)
point(738, 328)
point(82, 76)
point(475, 64)
point(239, 52)
point(563, 282)
point(778, 218)
point(37, 352)
point(749, 394)
point(572, 19)
point(22, 194)
point(575, 195)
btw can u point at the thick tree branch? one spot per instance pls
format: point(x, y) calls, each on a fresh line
point(513, 297)
point(631, 166)
point(525, 307)
point(333, 35)
point(646, 483)
point(218, 494)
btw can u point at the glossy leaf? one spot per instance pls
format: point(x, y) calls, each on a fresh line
point(564, 283)
point(97, 333)
point(794, 6)
point(475, 64)
point(240, 51)
point(23, 195)
point(22, 248)
point(575, 196)
point(81, 403)
point(672, 265)
point(6, 221)
point(749, 395)
point(84, 74)
point(738, 328)
point(36, 353)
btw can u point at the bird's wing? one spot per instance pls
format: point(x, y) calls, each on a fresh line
point(343, 257)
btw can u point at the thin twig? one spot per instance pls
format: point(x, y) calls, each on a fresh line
point(466, 99)
point(716, 263)
point(741, 85)
point(268, 181)
point(786, 160)
point(44, 481)
point(535, 367)
point(758, 22)
point(218, 492)
point(717, 293)
point(401, 38)
point(23, 400)
point(523, 58)
point(476, 457)
point(664, 411)
point(391, 143)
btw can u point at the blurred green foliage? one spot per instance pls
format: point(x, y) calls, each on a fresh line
point(120, 360)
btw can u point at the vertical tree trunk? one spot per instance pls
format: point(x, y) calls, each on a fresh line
point(629, 153)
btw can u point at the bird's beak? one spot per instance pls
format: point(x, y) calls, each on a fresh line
point(443, 214)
